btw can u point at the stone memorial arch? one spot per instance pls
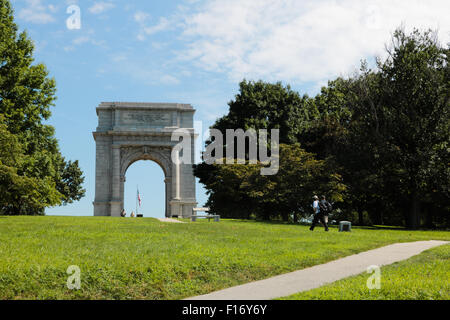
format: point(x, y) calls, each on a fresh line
point(129, 132)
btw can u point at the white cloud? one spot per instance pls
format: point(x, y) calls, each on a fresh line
point(296, 41)
point(52, 8)
point(119, 57)
point(81, 40)
point(36, 12)
point(100, 7)
point(168, 79)
point(87, 38)
point(141, 17)
point(163, 24)
point(141, 69)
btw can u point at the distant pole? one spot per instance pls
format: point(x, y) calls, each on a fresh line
point(137, 192)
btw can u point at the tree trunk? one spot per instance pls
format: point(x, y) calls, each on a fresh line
point(429, 216)
point(360, 218)
point(414, 216)
point(429, 220)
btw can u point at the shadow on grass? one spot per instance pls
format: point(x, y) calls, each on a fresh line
point(399, 228)
point(277, 222)
point(379, 227)
point(357, 227)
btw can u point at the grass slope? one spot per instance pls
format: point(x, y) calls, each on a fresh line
point(124, 258)
point(422, 277)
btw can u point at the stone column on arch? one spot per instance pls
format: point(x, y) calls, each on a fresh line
point(102, 175)
point(122, 190)
point(168, 183)
point(175, 203)
point(117, 183)
point(177, 167)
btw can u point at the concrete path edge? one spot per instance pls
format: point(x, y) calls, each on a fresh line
point(319, 275)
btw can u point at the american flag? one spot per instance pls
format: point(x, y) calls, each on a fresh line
point(139, 197)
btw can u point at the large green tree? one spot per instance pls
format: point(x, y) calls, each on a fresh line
point(261, 105)
point(26, 95)
point(240, 191)
point(401, 111)
point(18, 191)
point(392, 147)
point(385, 132)
point(416, 103)
point(334, 135)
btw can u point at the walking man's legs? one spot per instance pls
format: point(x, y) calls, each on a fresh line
point(315, 221)
point(324, 220)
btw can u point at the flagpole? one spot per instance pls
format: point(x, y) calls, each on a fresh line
point(137, 192)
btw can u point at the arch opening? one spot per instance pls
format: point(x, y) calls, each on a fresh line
point(148, 176)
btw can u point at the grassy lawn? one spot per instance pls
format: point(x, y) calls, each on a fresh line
point(423, 277)
point(147, 259)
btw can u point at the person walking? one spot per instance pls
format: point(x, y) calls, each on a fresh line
point(316, 207)
point(123, 213)
point(325, 208)
point(318, 215)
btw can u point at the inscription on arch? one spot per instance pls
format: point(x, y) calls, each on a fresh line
point(141, 118)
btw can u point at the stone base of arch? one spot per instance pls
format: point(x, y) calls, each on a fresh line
point(182, 209)
point(107, 208)
point(176, 208)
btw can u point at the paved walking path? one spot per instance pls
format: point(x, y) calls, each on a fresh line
point(170, 220)
point(313, 277)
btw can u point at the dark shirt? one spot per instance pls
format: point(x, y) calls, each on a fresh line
point(325, 207)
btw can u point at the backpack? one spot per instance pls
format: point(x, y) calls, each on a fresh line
point(325, 207)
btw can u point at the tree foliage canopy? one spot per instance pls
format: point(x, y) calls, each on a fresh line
point(240, 191)
point(383, 134)
point(34, 174)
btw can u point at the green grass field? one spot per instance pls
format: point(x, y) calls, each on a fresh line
point(423, 277)
point(124, 258)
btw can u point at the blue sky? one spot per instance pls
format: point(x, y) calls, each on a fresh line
point(192, 51)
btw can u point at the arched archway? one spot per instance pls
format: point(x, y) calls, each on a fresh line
point(129, 132)
point(148, 177)
point(159, 155)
